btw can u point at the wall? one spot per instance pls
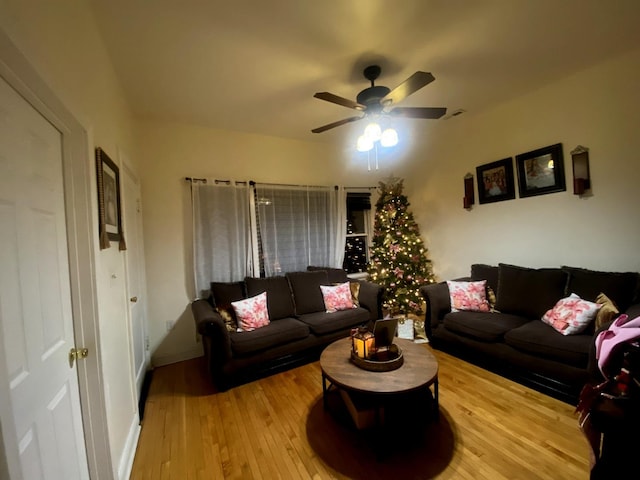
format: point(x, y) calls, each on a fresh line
point(596, 108)
point(171, 152)
point(60, 40)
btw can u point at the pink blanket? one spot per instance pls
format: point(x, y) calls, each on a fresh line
point(621, 330)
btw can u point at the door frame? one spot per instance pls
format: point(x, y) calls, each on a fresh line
point(77, 153)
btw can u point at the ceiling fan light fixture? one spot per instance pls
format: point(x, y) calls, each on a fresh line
point(373, 132)
point(364, 143)
point(389, 138)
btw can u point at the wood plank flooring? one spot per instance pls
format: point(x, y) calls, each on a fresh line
point(488, 428)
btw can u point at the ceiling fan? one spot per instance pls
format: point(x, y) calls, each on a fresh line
point(379, 100)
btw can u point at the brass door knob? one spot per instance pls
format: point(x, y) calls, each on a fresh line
point(77, 353)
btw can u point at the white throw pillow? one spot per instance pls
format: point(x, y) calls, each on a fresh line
point(470, 296)
point(571, 315)
point(252, 312)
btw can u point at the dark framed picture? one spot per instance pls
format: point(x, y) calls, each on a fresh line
point(495, 181)
point(541, 171)
point(109, 212)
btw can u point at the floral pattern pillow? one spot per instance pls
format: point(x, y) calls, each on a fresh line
point(252, 312)
point(470, 296)
point(337, 297)
point(571, 315)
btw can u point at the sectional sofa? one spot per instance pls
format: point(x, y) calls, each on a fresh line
point(511, 338)
point(299, 324)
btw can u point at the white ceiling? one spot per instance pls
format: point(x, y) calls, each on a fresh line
point(254, 65)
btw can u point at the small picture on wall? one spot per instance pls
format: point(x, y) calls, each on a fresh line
point(109, 213)
point(541, 171)
point(495, 181)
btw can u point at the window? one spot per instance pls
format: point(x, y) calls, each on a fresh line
point(297, 227)
point(356, 254)
point(243, 229)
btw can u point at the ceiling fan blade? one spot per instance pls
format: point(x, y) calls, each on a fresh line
point(418, 112)
point(329, 126)
point(345, 102)
point(411, 85)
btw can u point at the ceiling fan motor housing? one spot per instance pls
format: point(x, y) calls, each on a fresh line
point(370, 97)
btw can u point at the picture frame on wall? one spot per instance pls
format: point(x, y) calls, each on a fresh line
point(109, 203)
point(541, 171)
point(495, 181)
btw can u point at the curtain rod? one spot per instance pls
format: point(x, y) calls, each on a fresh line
point(251, 182)
point(204, 180)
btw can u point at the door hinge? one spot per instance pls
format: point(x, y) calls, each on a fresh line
point(76, 354)
point(146, 342)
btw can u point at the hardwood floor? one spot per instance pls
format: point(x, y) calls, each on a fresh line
point(488, 428)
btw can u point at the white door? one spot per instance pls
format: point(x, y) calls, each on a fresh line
point(135, 273)
point(36, 324)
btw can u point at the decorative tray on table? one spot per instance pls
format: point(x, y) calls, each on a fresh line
point(382, 361)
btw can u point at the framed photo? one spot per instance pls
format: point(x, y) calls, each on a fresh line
point(541, 171)
point(495, 181)
point(109, 212)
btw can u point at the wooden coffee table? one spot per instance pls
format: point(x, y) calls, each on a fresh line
point(419, 371)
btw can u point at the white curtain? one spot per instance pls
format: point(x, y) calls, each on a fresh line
point(300, 226)
point(221, 233)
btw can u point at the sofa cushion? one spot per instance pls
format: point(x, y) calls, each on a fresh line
point(222, 294)
point(538, 338)
point(305, 286)
point(469, 296)
point(279, 301)
point(276, 333)
point(337, 297)
point(252, 312)
point(621, 287)
point(607, 313)
point(529, 292)
point(487, 327)
point(481, 271)
point(322, 323)
point(336, 275)
point(571, 315)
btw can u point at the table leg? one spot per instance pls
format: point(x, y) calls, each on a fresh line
point(436, 402)
point(324, 391)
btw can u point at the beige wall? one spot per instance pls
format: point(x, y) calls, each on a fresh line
point(596, 108)
point(61, 42)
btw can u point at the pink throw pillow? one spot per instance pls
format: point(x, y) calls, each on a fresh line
point(571, 315)
point(337, 297)
point(471, 296)
point(252, 312)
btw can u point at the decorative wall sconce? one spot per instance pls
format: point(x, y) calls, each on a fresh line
point(581, 179)
point(469, 198)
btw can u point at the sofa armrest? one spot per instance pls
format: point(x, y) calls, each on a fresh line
point(370, 297)
point(633, 311)
point(436, 296)
point(209, 323)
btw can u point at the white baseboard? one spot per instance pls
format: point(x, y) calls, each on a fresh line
point(160, 360)
point(129, 452)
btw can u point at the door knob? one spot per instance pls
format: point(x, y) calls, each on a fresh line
point(76, 353)
point(133, 299)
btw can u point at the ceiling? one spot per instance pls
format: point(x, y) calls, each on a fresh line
point(254, 65)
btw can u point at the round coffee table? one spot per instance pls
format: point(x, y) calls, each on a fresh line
point(419, 371)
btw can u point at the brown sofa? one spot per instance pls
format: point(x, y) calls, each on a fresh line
point(515, 342)
point(299, 326)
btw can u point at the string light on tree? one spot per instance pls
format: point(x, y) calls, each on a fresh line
point(398, 257)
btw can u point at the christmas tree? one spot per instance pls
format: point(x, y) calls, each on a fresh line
point(398, 258)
